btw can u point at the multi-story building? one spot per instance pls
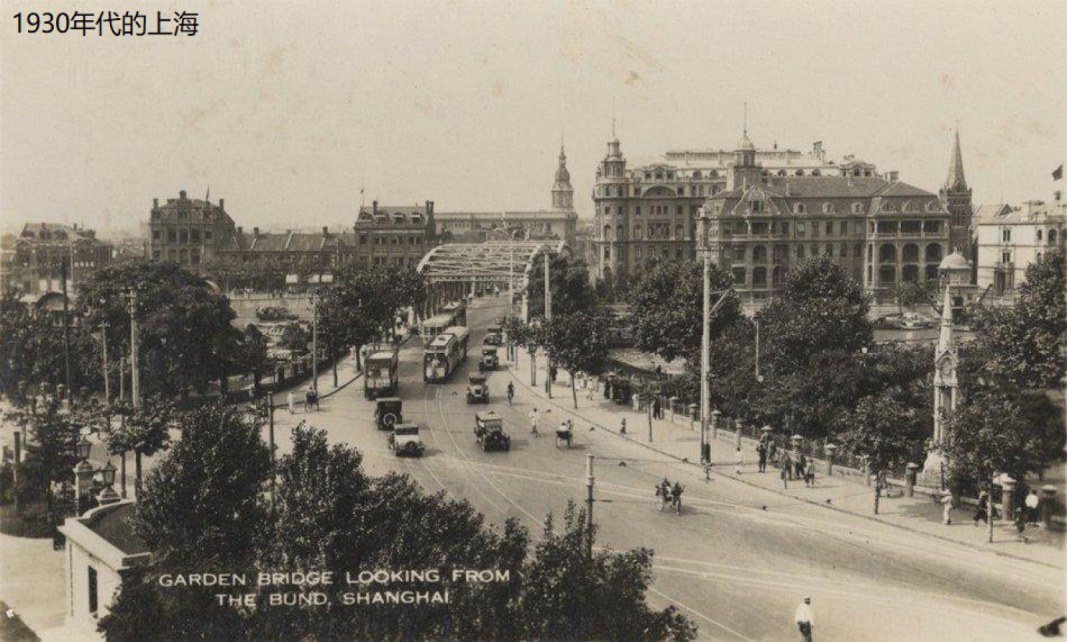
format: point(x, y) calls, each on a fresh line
point(882, 231)
point(648, 209)
point(1011, 238)
point(559, 222)
point(189, 231)
point(32, 261)
point(294, 252)
point(394, 234)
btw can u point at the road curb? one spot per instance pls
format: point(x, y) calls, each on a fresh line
point(685, 460)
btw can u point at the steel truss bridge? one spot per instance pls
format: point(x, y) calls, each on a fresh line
point(453, 270)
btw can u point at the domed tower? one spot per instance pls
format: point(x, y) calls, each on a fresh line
point(745, 171)
point(562, 192)
point(956, 197)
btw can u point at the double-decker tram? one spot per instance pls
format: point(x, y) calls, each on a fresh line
point(381, 378)
point(458, 310)
point(444, 354)
point(435, 325)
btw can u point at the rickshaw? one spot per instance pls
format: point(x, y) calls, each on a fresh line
point(565, 433)
point(387, 412)
point(489, 432)
point(477, 390)
point(489, 360)
point(405, 440)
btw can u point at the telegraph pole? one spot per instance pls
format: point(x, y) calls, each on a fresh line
point(705, 343)
point(548, 317)
point(589, 506)
point(270, 423)
point(135, 375)
point(314, 345)
point(757, 349)
point(107, 378)
point(66, 332)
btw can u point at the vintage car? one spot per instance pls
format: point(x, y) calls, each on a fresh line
point(489, 432)
point(477, 389)
point(494, 336)
point(489, 360)
point(387, 412)
point(405, 440)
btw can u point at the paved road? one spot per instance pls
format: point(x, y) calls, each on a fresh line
point(737, 568)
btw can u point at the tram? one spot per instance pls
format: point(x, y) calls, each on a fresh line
point(381, 376)
point(444, 354)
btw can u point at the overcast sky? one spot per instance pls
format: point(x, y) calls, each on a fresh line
point(287, 109)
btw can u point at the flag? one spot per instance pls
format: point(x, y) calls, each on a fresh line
point(1057, 174)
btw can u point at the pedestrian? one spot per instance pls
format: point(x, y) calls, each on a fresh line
point(787, 464)
point(1032, 502)
point(983, 508)
point(1020, 523)
point(772, 452)
point(707, 471)
point(785, 473)
point(534, 417)
point(802, 462)
point(809, 474)
point(637, 401)
point(946, 512)
point(309, 396)
point(739, 459)
point(761, 450)
point(805, 619)
point(657, 409)
point(622, 426)
point(291, 399)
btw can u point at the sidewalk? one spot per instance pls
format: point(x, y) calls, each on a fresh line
point(919, 514)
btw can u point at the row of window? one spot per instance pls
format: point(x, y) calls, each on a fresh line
point(391, 239)
point(182, 235)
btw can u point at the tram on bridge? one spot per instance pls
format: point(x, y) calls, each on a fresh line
point(444, 354)
point(451, 315)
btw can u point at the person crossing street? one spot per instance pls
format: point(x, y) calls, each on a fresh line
point(805, 619)
point(534, 418)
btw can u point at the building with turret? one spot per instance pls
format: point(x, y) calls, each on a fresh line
point(558, 222)
point(647, 208)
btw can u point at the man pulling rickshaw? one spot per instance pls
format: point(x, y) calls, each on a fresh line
point(670, 496)
point(565, 432)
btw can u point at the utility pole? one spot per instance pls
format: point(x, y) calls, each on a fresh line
point(66, 332)
point(705, 343)
point(122, 378)
point(314, 345)
point(548, 317)
point(270, 423)
point(135, 375)
point(107, 378)
point(589, 506)
point(757, 349)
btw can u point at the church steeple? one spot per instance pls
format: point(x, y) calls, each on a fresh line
point(955, 181)
point(562, 192)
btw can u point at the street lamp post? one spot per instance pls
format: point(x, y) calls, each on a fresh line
point(84, 484)
point(705, 340)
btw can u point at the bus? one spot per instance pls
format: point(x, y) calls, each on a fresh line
point(444, 354)
point(435, 325)
point(380, 376)
point(458, 310)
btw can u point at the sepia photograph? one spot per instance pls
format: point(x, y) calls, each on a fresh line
point(478, 320)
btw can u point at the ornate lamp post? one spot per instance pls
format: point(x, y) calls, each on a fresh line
point(84, 484)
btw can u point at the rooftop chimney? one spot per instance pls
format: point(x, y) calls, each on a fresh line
point(894, 176)
point(1057, 196)
point(374, 207)
point(325, 231)
point(155, 203)
point(255, 231)
point(429, 207)
point(240, 230)
point(181, 195)
point(222, 204)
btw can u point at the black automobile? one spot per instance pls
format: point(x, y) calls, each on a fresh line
point(490, 360)
point(489, 432)
point(387, 412)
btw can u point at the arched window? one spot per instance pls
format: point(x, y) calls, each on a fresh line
point(777, 276)
point(843, 250)
point(911, 253)
point(759, 277)
point(800, 172)
point(887, 253)
point(697, 174)
point(781, 172)
point(798, 208)
point(816, 172)
point(1039, 234)
point(781, 254)
point(679, 232)
point(887, 274)
point(933, 252)
point(828, 208)
point(713, 174)
point(1051, 236)
point(857, 208)
point(637, 232)
point(759, 254)
point(607, 233)
point(911, 273)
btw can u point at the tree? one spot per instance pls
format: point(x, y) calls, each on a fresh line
point(579, 343)
point(1027, 342)
point(992, 432)
point(186, 339)
point(909, 293)
point(884, 432)
point(296, 338)
point(528, 336)
point(668, 307)
point(51, 439)
point(571, 289)
point(255, 359)
point(567, 595)
point(143, 431)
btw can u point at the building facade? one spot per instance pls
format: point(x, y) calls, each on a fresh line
point(394, 234)
point(1011, 238)
point(956, 198)
point(558, 222)
point(189, 231)
point(32, 261)
point(882, 231)
point(648, 209)
point(293, 256)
